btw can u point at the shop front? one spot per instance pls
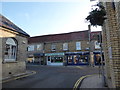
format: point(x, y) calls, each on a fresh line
point(54, 59)
point(77, 58)
point(38, 58)
point(30, 58)
point(97, 57)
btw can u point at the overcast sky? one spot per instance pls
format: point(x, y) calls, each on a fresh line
point(41, 18)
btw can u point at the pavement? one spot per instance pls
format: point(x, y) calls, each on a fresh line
point(17, 76)
point(92, 81)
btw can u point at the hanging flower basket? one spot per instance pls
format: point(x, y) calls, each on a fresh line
point(97, 16)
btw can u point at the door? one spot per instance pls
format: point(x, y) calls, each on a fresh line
point(48, 60)
point(70, 60)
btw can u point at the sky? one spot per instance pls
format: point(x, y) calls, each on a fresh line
point(43, 18)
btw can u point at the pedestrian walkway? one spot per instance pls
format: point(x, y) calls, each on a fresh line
point(93, 81)
point(17, 76)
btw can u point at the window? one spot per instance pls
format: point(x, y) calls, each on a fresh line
point(10, 50)
point(39, 47)
point(97, 45)
point(78, 45)
point(31, 48)
point(53, 47)
point(65, 46)
point(56, 59)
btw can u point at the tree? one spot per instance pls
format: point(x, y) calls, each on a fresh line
point(97, 16)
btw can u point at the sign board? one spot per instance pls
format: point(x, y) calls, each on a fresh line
point(53, 54)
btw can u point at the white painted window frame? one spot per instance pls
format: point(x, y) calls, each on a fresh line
point(65, 46)
point(39, 47)
point(53, 47)
point(31, 47)
point(78, 45)
point(11, 42)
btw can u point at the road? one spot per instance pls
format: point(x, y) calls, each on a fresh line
point(52, 77)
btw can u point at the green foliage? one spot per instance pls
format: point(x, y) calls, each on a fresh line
point(97, 16)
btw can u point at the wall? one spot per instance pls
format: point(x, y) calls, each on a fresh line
point(18, 66)
point(111, 46)
point(71, 46)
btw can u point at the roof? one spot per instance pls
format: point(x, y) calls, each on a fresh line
point(5, 23)
point(79, 35)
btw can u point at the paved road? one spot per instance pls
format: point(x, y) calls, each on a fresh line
point(51, 77)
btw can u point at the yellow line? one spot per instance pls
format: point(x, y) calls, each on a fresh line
point(79, 80)
point(33, 72)
point(79, 67)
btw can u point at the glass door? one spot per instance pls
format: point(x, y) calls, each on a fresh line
point(48, 60)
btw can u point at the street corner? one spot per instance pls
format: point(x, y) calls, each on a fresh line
point(92, 81)
point(18, 76)
point(78, 83)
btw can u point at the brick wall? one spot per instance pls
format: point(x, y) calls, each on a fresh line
point(111, 45)
point(71, 46)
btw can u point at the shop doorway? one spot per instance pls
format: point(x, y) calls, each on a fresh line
point(97, 59)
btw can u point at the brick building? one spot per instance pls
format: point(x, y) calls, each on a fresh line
point(62, 49)
point(111, 43)
point(13, 47)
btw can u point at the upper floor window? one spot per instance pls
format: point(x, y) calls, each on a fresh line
point(53, 47)
point(31, 48)
point(10, 50)
point(78, 45)
point(65, 46)
point(40, 47)
point(97, 45)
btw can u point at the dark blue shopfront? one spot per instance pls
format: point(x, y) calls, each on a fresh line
point(77, 58)
point(97, 57)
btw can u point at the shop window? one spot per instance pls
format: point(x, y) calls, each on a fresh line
point(70, 59)
point(56, 59)
point(31, 48)
point(98, 59)
point(78, 45)
point(39, 47)
point(65, 46)
point(75, 59)
point(83, 59)
point(53, 47)
point(10, 50)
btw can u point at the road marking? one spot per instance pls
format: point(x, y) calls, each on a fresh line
point(79, 67)
point(78, 81)
point(4, 81)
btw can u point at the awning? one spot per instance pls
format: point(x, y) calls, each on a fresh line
point(53, 54)
point(97, 52)
point(38, 54)
point(76, 53)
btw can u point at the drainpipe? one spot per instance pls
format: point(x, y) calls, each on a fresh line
point(44, 60)
point(89, 35)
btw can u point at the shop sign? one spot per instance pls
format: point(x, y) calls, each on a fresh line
point(39, 54)
point(53, 54)
point(76, 53)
